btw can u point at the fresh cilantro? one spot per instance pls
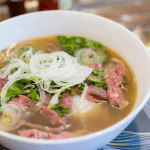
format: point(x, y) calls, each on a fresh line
point(105, 62)
point(89, 43)
point(17, 88)
point(99, 73)
point(116, 105)
point(95, 94)
point(79, 92)
point(98, 83)
point(79, 85)
point(91, 55)
point(124, 83)
point(105, 86)
point(14, 90)
point(24, 81)
point(72, 93)
point(7, 62)
point(97, 45)
point(69, 88)
point(60, 96)
point(19, 53)
point(93, 79)
point(62, 115)
point(34, 95)
point(73, 43)
point(82, 87)
point(63, 110)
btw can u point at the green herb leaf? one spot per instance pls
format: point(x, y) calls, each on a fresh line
point(124, 83)
point(72, 93)
point(79, 92)
point(17, 88)
point(98, 84)
point(19, 53)
point(95, 94)
point(73, 43)
point(7, 62)
point(63, 110)
point(99, 73)
point(34, 95)
point(62, 115)
point(116, 105)
point(60, 96)
point(14, 90)
point(79, 85)
point(92, 79)
point(105, 62)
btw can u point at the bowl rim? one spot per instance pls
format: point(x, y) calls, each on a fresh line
point(91, 135)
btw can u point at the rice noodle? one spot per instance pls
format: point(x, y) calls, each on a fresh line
point(85, 104)
point(81, 104)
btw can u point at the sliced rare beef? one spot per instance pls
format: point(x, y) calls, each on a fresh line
point(111, 74)
point(57, 129)
point(75, 89)
point(67, 100)
point(120, 67)
point(63, 135)
point(36, 134)
point(45, 128)
point(22, 101)
point(96, 93)
point(2, 83)
point(55, 119)
point(114, 77)
point(114, 92)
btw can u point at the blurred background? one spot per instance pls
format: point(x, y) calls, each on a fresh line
point(133, 14)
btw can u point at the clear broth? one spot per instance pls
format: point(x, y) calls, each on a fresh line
point(103, 115)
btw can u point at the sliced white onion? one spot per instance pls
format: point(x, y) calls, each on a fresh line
point(7, 69)
point(59, 67)
point(10, 82)
point(27, 53)
point(15, 63)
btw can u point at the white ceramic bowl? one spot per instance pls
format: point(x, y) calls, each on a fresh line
point(96, 28)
